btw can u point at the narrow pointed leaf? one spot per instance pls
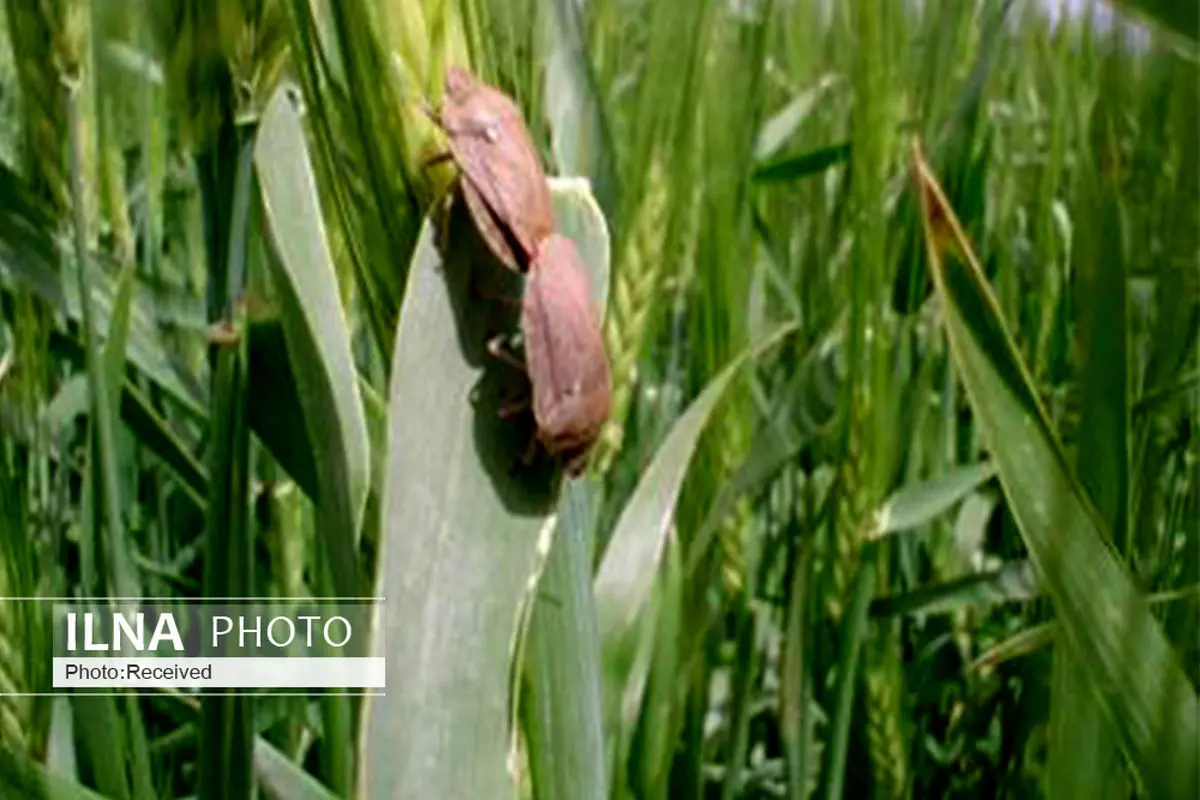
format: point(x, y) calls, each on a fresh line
point(921, 503)
point(317, 335)
point(1133, 670)
point(282, 779)
point(627, 570)
point(562, 707)
point(579, 134)
point(1013, 582)
point(1182, 18)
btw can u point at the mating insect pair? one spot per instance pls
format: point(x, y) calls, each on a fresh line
point(507, 195)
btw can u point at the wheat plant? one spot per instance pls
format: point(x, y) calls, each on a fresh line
point(898, 496)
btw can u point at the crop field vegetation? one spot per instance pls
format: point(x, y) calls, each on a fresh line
point(897, 490)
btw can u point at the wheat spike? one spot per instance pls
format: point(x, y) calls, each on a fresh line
point(638, 279)
point(861, 493)
point(853, 510)
point(885, 737)
point(49, 39)
point(15, 712)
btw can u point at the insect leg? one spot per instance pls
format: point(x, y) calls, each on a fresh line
point(530, 453)
point(438, 158)
point(484, 293)
point(576, 463)
point(442, 205)
point(433, 115)
point(498, 350)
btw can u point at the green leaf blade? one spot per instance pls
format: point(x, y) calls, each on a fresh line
point(462, 518)
point(1133, 670)
point(316, 332)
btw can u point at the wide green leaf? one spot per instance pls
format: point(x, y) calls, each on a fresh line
point(578, 216)
point(1084, 758)
point(462, 510)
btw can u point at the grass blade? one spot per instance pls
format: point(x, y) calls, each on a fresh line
point(579, 134)
point(1045, 634)
point(103, 416)
point(118, 334)
point(227, 724)
point(1132, 668)
point(626, 576)
point(921, 503)
point(1182, 18)
point(155, 434)
point(798, 712)
point(785, 123)
point(20, 777)
point(317, 335)
point(1084, 758)
point(283, 780)
point(275, 413)
point(1013, 582)
point(562, 709)
point(854, 633)
point(802, 165)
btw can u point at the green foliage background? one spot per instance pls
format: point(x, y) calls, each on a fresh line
point(899, 496)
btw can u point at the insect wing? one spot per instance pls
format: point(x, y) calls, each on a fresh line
point(498, 239)
point(491, 144)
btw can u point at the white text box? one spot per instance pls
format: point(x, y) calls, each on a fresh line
point(220, 673)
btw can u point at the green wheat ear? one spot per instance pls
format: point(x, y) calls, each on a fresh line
point(15, 712)
point(41, 49)
point(883, 677)
point(853, 510)
point(21, 635)
point(49, 41)
point(884, 680)
point(638, 278)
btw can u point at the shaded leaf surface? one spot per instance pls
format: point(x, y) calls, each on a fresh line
point(461, 516)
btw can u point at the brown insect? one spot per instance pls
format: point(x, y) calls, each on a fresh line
point(564, 353)
point(504, 185)
point(508, 197)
